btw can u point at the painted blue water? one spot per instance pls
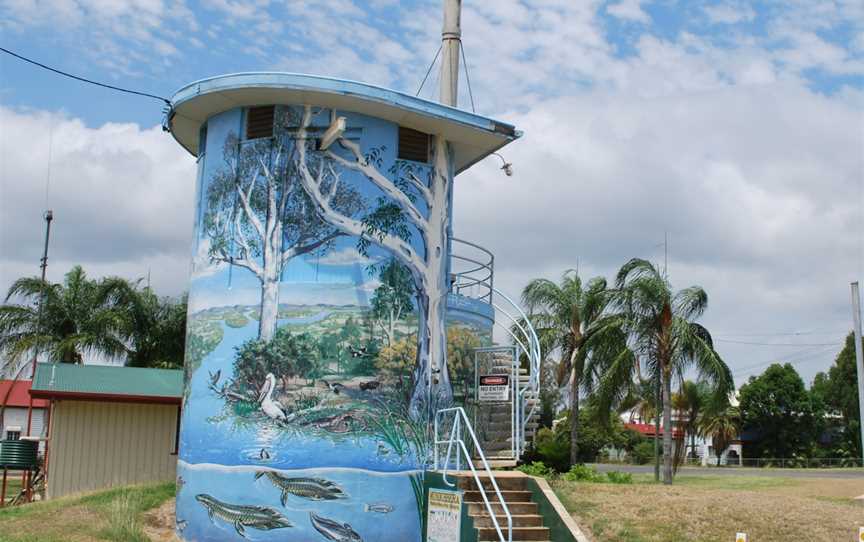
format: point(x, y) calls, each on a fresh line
point(237, 485)
point(209, 437)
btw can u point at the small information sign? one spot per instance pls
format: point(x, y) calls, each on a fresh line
point(444, 516)
point(494, 388)
point(740, 537)
point(861, 534)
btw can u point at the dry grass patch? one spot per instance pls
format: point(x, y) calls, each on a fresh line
point(108, 516)
point(709, 509)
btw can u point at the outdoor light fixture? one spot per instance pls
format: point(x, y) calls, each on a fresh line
point(507, 167)
point(334, 132)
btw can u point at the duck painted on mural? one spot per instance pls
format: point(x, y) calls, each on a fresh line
point(270, 407)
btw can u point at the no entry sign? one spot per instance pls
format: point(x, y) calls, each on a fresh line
point(494, 388)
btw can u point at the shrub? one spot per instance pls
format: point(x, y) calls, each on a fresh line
point(643, 452)
point(583, 473)
point(537, 468)
point(616, 477)
point(553, 448)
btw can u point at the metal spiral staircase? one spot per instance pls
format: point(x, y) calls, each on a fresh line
point(497, 431)
point(506, 428)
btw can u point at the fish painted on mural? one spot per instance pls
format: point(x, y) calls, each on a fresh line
point(333, 530)
point(378, 507)
point(315, 489)
point(242, 516)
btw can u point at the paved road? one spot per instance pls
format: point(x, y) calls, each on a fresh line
point(846, 474)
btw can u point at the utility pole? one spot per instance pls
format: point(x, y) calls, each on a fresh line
point(859, 362)
point(48, 216)
point(451, 41)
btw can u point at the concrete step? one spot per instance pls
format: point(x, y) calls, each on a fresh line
point(505, 481)
point(522, 508)
point(519, 520)
point(494, 446)
point(520, 534)
point(510, 496)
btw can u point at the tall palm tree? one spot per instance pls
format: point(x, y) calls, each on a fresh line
point(568, 320)
point(63, 321)
point(662, 331)
point(155, 327)
point(690, 402)
point(721, 424)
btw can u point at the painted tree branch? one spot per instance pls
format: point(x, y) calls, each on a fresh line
point(381, 181)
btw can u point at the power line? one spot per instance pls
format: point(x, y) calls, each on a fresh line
point(776, 344)
point(778, 334)
point(429, 70)
point(85, 80)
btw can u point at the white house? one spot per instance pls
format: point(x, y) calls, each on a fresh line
point(13, 418)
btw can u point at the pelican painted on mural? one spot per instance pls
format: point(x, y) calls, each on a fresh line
point(269, 406)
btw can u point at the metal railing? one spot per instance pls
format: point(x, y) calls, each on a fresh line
point(525, 338)
point(472, 270)
point(460, 422)
point(473, 276)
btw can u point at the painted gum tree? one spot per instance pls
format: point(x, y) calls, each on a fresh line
point(409, 204)
point(258, 217)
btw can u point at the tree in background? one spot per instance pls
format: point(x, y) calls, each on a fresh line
point(568, 320)
point(721, 422)
point(257, 215)
point(396, 361)
point(662, 331)
point(778, 411)
point(77, 318)
point(690, 401)
point(461, 342)
point(837, 393)
point(392, 299)
point(155, 326)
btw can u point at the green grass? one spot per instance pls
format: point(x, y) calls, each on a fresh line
point(113, 516)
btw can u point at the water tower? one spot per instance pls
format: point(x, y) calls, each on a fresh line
point(326, 289)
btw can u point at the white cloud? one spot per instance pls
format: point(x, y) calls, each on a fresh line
point(629, 10)
point(730, 13)
point(118, 34)
point(121, 197)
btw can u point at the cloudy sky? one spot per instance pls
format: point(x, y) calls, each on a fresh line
point(736, 129)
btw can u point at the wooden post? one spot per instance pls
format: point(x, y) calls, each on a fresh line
point(3, 491)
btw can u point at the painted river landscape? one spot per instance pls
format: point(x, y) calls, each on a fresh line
point(309, 380)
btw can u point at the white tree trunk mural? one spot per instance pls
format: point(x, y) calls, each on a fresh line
point(428, 267)
point(255, 203)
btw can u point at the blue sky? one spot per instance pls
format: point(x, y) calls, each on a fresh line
point(732, 127)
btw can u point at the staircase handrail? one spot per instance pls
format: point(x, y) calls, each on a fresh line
point(459, 419)
point(531, 338)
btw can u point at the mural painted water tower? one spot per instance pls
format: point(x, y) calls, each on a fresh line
point(322, 301)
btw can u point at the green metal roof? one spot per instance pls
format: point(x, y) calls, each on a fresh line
point(111, 382)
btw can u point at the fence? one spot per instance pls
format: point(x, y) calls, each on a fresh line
point(758, 462)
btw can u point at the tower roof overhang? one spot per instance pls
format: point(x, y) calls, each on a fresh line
point(472, 136)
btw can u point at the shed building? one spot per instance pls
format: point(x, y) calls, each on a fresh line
point(109, 426)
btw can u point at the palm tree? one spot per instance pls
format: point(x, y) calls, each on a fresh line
point(62, 321)
point(662, 331)
point(568, 320)
point(690, 402)
point(721, 424)
point(155, 328)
